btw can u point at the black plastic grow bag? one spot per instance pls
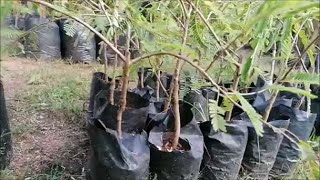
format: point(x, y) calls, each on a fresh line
point(149, 79)
point(199, 103)
point(224, 150)
point(178, 165)
point(315, 106)
point(261, 152)
point(5, 135)
point(81, 46)
point(301, 124)
point(107, 54)
point(113, 158)
point(44, 43)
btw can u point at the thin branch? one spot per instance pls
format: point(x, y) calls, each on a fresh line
point(274, 94)
point(104, 10)
point(301, 57)
point(219, 41)
point(175, 17)
point(220, 52)
point(236, 80)
point(161, 84)
point(302, 62)
point(270, 105)
point(115, 64)
point(178, 65)
point(83, 23)
point(125, 81)
point(175, 92)
point(201, 71)
point(206, 22)
point(96, 7)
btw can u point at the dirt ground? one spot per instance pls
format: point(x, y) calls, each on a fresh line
point(44, 142)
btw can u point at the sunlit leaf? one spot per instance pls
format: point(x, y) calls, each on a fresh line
point(255, 118)
point(217, 116)
point(303, 78)
point(292, 89)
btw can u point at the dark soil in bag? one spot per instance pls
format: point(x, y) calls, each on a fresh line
point(184, 162)
point(301, 124)
point(112, 158)
point(224, 150)
point(44, 43)
point(81, 46)
point(261, 152)
point(5, 134)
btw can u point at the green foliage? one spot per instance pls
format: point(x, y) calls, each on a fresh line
point(254, 117)
point(9, 41)
point(227, 104)
point(262, 24)
point(217, 116)
point(292, 89)
point(70, 28)
point(300, 77)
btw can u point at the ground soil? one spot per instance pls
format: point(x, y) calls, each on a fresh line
point(42, 139)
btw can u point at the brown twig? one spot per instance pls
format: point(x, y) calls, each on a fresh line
point(190, 62)
point(160, 83)
point(178, 65)
point(274, 94)
point(236, 80)
point(175, 92)
point(125, 81)
point(104, 10)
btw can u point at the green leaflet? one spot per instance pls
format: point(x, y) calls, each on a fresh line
point(197, 33)
point(302, 77)
point(279, 9)
point(254, 117)
point(227, 104)
point(261, 35)
point(293, 90)
point(306, 41)
point(285, 39)
point(246, 69)
point(9, 33)
point(216, 114)
point(71, 28)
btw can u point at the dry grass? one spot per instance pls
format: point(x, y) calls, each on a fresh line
point(45, 103)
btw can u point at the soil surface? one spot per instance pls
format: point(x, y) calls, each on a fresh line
point(44, 142)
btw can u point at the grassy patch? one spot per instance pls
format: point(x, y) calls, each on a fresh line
point(58, 87)
point(309, 169)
